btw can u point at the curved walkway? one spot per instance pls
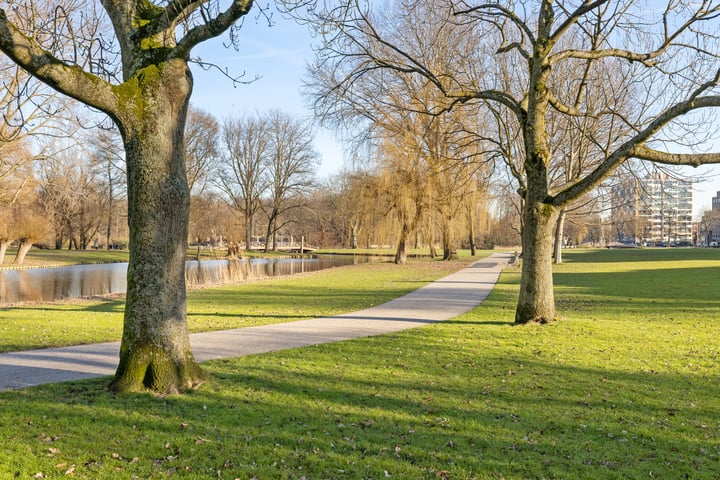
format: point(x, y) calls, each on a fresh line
point(443, 299)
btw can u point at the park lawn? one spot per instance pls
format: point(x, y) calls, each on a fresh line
point(328, 292)
point(624, 386)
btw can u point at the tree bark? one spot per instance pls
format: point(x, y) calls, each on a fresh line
point(432, 239)
point(353, 237)
point(4, 244)
point(401, 250)
point(448, 249)
point(110, 207)
point(248, 230)
point(155, 350)
point(23, 249)
point(471, 238)
point(536, 302)
point(271, 231)
point(559, 234)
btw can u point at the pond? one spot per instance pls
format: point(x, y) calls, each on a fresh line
point(51, 284)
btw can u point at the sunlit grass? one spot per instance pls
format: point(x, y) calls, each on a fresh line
point(605, 393)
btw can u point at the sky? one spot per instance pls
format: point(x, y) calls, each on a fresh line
point(278, 56)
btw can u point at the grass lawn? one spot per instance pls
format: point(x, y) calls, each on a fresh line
point(625, 386)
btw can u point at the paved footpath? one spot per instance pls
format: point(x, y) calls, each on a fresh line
point(443, 299)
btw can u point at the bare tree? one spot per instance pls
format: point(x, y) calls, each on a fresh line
point(72, 197)
point(513, 57)
point(7, 233)
point(242, 176)
point(148, 101)
point(209, 221)
point(107, 159)
point(201, 138)
point(30, 227)
point(709, 228)
point(28, 109)
point(291, 166)
point(423, 157)
point(403, 185)
point(322, 212)
point(356, 204)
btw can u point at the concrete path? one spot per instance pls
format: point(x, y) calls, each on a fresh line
point(443, 299)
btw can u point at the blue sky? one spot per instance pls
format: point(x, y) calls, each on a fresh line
point(278, 55)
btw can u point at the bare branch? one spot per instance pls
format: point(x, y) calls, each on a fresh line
point(495, 9)
point(575, 16)
point(236, 80)
point(212, 28)
point(514, 46)
point(566, 109)
point(636, 147)
point(644, 58)
point(692, 159)
point(70, 80)
point(175, 11)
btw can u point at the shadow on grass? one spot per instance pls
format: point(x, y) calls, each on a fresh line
point(659, 289)
point(319, 413)
point(640, 255)
point(82, 305)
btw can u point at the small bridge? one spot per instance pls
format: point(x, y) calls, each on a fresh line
point(290, 247)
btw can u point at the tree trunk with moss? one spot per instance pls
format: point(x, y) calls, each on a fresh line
point(536, 301)
point(150, 108)
point(155, 351)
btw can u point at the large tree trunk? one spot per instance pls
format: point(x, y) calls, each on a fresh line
point(433, 239)
point(559, 234)
point(155, 351)
point(536, 302)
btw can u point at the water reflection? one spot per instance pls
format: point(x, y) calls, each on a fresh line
point(50, 284)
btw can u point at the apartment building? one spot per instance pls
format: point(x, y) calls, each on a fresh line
point(655, 210)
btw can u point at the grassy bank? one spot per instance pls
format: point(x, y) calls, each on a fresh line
point(625, 386)
point(37, 257)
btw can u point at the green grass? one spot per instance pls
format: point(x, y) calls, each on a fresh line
point(263, 302)
point(625, 386)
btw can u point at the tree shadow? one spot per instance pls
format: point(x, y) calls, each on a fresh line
point(622, 255)
point(317, 412)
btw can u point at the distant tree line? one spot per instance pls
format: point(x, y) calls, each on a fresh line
point(251, 177)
